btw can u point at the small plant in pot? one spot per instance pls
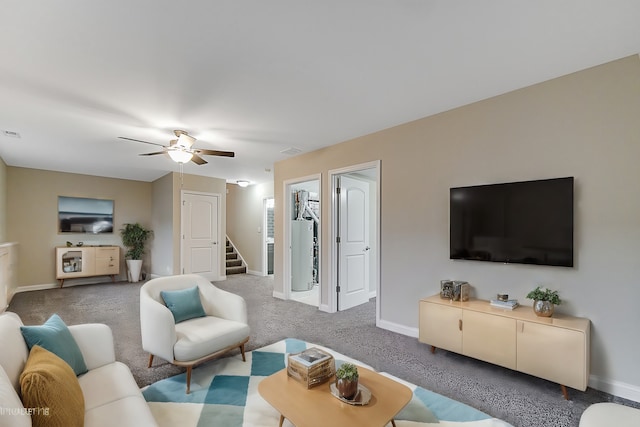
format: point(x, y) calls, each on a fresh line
point(347, 380)
point(134, 237)
point(544, 301)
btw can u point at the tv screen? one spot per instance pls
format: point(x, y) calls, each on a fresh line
point(84, 215)
point(527, 222)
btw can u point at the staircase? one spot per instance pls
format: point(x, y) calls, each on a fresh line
point(235, 265)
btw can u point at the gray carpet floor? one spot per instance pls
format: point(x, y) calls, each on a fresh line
point(519, 399)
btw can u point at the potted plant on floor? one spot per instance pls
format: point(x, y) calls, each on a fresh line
point(347, 380)
point(544, 301)
point(134, 237)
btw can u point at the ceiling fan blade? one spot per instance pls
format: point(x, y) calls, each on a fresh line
point(152, 154)
point(205, 152)
point(198, 160)
point(137, 140)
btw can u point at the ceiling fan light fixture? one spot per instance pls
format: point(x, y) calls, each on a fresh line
point(180, 156)
point(242, 183)
point(185, 140)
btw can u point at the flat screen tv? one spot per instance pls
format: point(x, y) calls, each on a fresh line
point(527, 222)
point(84, 215)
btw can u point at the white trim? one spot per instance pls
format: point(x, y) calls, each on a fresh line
point(286, 227)
point(256, 273)
point(324, 307)
point(332, 222)
point(617, 388)
point(265, 244)
point(397, 328)
point(41, 287)
point(279, 295)
point(244, 263)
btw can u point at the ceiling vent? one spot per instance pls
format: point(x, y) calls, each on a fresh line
point(11, 133)
point(291, 151)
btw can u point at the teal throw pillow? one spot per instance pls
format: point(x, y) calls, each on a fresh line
point(184, 304)
point(56, 337)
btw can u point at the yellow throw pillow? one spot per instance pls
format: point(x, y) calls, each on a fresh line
point(51, 391)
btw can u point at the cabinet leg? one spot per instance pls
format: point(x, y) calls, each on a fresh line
point(565, 393)
point(433, 349)
point(61, 282)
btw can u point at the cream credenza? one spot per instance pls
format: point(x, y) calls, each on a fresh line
point(87, 261)
point(554, 348)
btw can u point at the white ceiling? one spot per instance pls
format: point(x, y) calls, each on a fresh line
point(257, 77)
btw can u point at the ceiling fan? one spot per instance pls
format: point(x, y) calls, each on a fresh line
point(180, 150)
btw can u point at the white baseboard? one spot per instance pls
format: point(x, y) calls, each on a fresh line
point(278, 295)
point(398, 328)
point(255, 273)
point(325, 308)
point(41, 287)
point(617, 388)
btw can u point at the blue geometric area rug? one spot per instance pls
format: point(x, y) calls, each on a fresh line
point(224, 393)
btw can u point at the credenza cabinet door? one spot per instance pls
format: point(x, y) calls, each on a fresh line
point(107, 261)
point(75, 262)
point(553, 353)
point(489, 338)
point(441, 326)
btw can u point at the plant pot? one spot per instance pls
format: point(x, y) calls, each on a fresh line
point(134, 267)
point(347, 388)
point(543, 308)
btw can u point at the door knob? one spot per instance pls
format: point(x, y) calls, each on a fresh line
point(366, 248)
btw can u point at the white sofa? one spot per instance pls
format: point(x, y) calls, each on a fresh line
point(111, 395)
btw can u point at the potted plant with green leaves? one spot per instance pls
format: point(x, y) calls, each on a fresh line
point(544, 301)
point(347, 380)
point(134, 237)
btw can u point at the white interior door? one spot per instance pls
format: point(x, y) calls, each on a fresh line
point(200, 235)
point(353, 268)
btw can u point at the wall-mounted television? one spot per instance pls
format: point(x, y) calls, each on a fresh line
point(84, 215)
point(527, 222)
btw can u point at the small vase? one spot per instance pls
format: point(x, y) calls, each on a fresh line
point(347, 388)
point(543, 308)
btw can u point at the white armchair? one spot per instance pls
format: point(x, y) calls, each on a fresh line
point(196, 340)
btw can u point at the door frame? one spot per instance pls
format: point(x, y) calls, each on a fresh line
point(218, 226)
point(286, 227)
point(332, 224)
point(265, 244)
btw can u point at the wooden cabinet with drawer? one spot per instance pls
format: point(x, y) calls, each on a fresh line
point(87, 261)
point(554, 348)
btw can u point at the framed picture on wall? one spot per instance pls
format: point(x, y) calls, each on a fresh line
point(84, 215)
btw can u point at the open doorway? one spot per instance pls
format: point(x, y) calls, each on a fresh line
point(302, 220)
point(268, 228)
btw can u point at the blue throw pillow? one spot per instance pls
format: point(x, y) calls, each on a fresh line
point(56, 337)
point(184, 304)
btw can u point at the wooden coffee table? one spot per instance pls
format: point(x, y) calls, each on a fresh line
point(317, 407)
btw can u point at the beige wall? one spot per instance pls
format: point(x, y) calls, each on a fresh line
point(584, 125)
point(163, 200)
point(166, 198)
point(32, 215)
point(245, 216)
